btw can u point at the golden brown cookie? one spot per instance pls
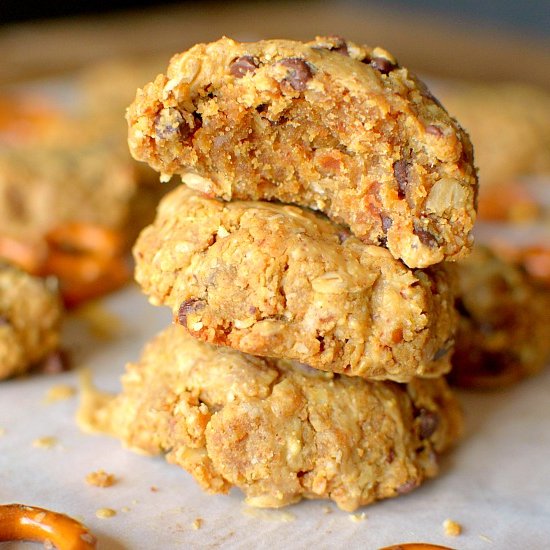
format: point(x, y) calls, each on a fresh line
point(278, 430)
point(30, 319)
point(282, 281)
point(504, 324)
point(509, 124)
point(326, 124)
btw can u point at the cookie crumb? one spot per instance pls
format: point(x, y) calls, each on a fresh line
point(103, 513)
point(59, 393)
point(100, 479)
point(197, 524)
point(2, 431)
point(485, 538)
point(356, 518)
point(125, 509)
point(46, 442)
point(154, 489)
point(327, 510)
point(452, 528)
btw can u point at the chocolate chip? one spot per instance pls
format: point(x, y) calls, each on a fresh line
point(56, 362)
point(187, 307)
point(321, 340)
point(339, 45)
point(428, 422)
point(169, 123)
point(343, 235)
point(425, 237)
point(462, 309)
point(386, 222)
point(434, 130)
point(391, 456)
point(382, 64)
point(401, 174)
point(299, 72)
point(407, 487)
point(242, 65)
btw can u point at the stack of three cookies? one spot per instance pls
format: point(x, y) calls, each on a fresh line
point(311, 337)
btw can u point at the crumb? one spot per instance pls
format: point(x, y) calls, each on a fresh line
point(59, 393)
point(154, 489)
point(46, 442)
point(125, 509)
point(452, 528)
point(2, 431)
point(356, 518)
point(327, 510)
point(103, 513)
point(100, 479)
point(485, 538)
point(197, 524)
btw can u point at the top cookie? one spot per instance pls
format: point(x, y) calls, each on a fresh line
point(326, 124)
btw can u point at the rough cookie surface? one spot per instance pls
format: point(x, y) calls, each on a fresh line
point(278, 430)
point(504, 324)
point(30, 318)
point(326, 124)
point(282, 281)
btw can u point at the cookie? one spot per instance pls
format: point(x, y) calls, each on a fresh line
point(281, 281)
point(30, 318)
point(278, 430)
point(326, 124)
point(504, 323)
point(509, 124)
point(76, 175)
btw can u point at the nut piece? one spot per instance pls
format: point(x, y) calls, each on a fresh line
point(447, 193)
point(452, 528)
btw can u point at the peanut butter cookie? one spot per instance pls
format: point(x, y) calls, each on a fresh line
point(282, 281)
point(278, 430)
point(30, 318)
point(326, 124)
point(504, 326)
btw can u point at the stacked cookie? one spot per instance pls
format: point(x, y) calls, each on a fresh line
point(303, 262)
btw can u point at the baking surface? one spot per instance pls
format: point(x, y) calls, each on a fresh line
point(495, 483)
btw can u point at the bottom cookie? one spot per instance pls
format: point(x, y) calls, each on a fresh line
point(280, 431)
point(30, 319)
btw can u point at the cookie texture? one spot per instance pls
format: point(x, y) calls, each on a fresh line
point(282, 281)
point(30, 319)
point(326, 124)
point(504, 323)
point(278, 430)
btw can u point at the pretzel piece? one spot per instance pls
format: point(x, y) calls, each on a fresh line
point(86, 237)
point(20, 522)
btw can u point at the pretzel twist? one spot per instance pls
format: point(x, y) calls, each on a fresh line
point(20, 522)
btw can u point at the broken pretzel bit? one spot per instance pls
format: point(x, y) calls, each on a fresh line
point(20, 522)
